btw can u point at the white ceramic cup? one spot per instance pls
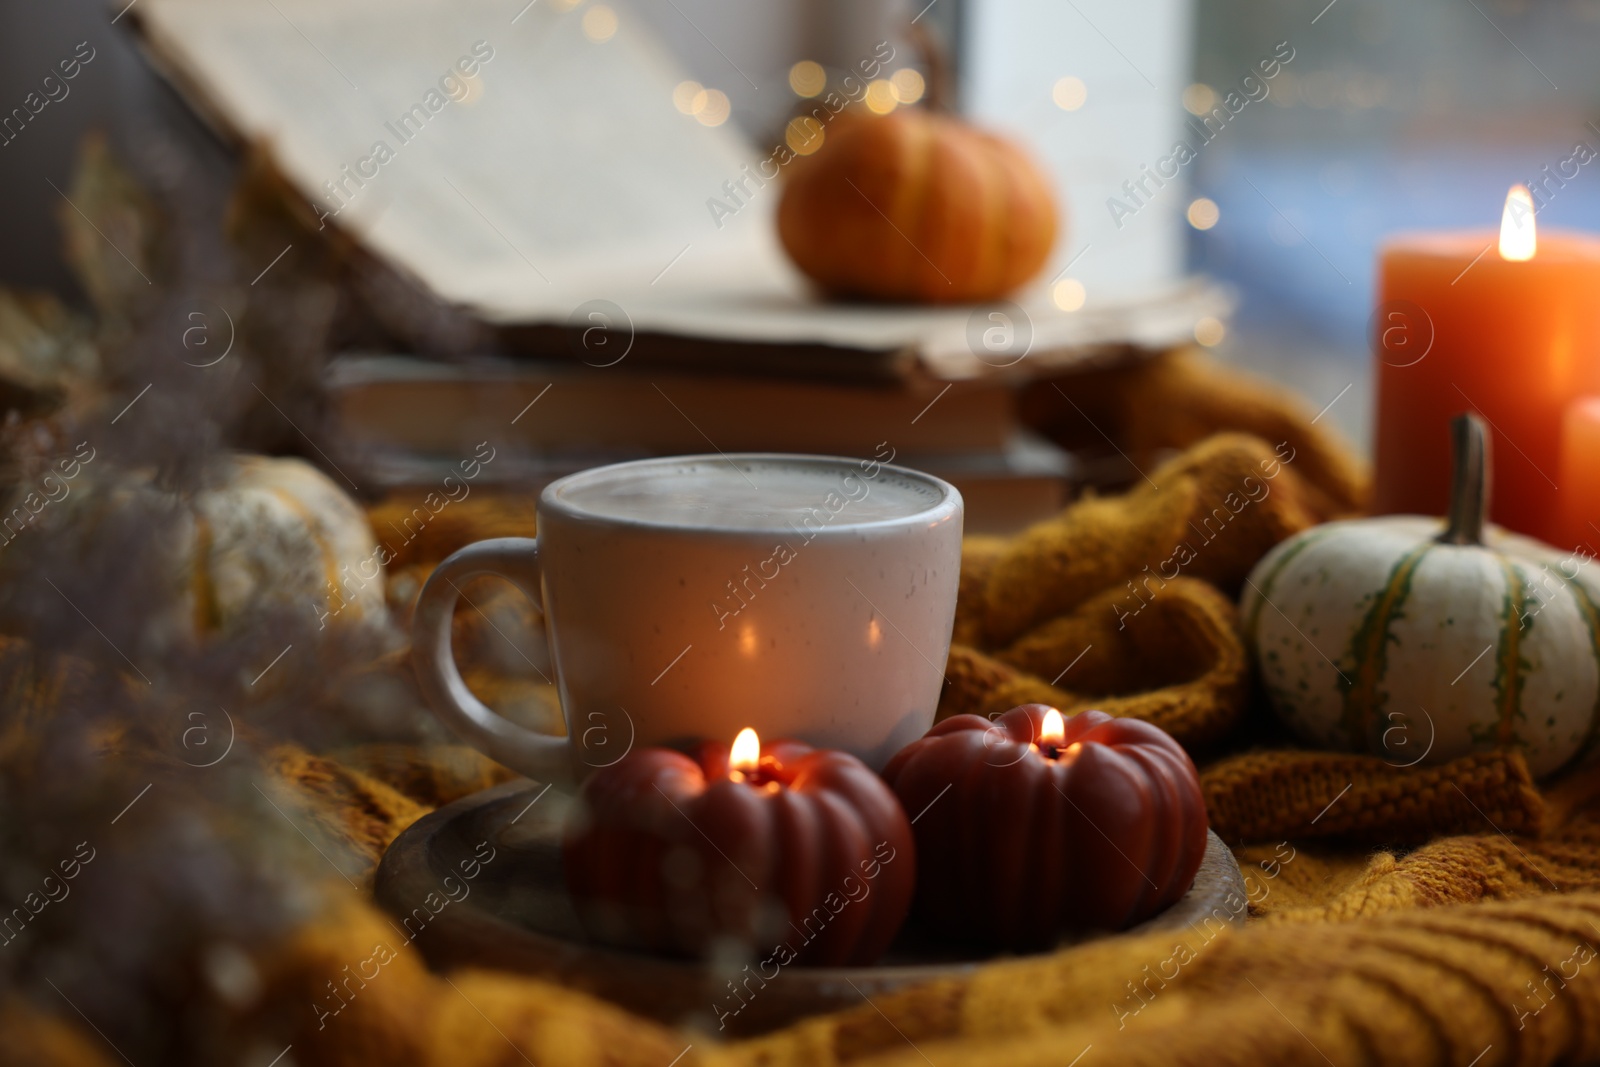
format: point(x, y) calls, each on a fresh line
point(686, 598)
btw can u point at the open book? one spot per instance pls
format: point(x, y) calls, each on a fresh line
point(519, 162)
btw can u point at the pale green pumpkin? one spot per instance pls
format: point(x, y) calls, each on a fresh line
point(266, 536)
point(1422, 640)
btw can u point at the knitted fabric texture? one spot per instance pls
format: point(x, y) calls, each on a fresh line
point(431, 775)
point(426, 532)
point(1259, 796)
point(1154, 406)
point(1183, 668)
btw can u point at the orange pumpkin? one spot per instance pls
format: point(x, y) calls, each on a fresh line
point(916, 206)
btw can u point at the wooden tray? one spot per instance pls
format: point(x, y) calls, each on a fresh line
point(479, 883)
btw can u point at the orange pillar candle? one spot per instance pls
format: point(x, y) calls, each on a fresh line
point(1506, 326)
point(1580, 475)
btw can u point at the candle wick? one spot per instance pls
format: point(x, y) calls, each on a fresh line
point(757, 776)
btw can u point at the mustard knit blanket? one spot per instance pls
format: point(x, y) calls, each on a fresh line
point(1438, 915)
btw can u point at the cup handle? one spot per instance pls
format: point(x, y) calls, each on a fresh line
point(540, 756)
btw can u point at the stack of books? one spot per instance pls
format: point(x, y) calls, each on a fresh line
point(411, 421)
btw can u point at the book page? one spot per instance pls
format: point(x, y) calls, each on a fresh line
point(558, 160)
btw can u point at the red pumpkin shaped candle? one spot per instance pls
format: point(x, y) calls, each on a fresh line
point(1050, 824)
point(795, 854)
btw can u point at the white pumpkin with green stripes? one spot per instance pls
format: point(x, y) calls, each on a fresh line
point(1421, 640)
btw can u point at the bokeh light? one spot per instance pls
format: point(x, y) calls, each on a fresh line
point(879, 97)
point(599, 23)
point(908, 86)
point(803, 135)
point(1203, 213)
point(807, 78)
point(686, 95)
point(714, 109)
point(1069, 93)
point(1068, 294)
point(1199, 99)
point(1209, 331)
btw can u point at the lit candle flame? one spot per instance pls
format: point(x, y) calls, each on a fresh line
point(745, 756)
point(1053, 731)
point(1517, 239)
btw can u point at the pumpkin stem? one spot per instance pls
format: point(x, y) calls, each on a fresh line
point(1469, 485)
point(939, 94)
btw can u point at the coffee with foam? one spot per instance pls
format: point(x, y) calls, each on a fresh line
point(752, 493)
